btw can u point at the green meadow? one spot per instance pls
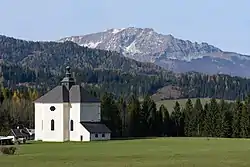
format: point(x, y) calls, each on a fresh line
point(158, 152)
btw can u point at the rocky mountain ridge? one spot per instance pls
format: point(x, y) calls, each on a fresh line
point(146, 45)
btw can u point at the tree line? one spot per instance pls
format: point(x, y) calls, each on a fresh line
point(16, 107)
point(142, 118)
point(136, 117)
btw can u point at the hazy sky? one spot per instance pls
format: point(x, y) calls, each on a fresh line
point(223, 23)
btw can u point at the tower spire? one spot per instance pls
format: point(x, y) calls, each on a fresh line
point(68, 80)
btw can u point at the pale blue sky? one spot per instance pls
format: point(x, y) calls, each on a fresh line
point(223, 23)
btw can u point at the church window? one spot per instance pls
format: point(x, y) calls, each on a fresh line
point(103, 135)
point(81, 137)
point(96, 135)
point(71, 125)
point(52, 125)
point(52, 108)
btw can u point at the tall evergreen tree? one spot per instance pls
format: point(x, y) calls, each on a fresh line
point(110, 114)
point(200, 117)
point(177, 119)
point(215, 118)
point(244, 122)
point(236, 119)
point(206, 132)
point(212, 116)
point(188, 118)
point(158, 127)
point(226, 120)
point(166, 120)
point(133, 114)
point(145, 116)
point(121, 104)
point(153, 118)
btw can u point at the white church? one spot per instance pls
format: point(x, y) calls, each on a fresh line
point(69, 113)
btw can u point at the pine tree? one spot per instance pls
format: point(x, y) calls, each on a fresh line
point(215, 118)
point(144, 116)
point(244, 122)
point(177, 119)
point(110, 114)
point(236, 119)
point(200, 117)
point(166, 120)
point(121, 104)
point(188, 118)
point(247, 103)
point(159, 124)
point(133, 108)
point(226, 120)
point(153, 124)
point(206, 124)
point(211, 118)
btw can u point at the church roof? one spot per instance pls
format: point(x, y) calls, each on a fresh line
point(18, 133)
point(60, 94)
point(96, 127)
point(67, 92)
point(79, 94)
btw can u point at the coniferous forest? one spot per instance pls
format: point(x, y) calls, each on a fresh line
point(142, 119)
point(134, 118)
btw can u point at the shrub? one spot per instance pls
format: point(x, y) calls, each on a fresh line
point(8, 150)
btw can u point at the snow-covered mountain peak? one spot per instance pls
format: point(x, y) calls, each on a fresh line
point(142, 44)
point(146, 45)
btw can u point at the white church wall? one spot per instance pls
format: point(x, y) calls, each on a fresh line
point(57, 115)
point(75, 116)
point(90, 112)
point(79, 133)
point(38, 121)
point(84, 134)
point(66, 118)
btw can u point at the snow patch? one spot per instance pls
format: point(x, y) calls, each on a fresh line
point(132, 48)
point(187, 58)
point(92, 44)
point(115, 30)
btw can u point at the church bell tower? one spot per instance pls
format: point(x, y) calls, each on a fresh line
point(68, 81)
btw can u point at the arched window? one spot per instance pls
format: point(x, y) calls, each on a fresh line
point(52, 124)
point(71, 125)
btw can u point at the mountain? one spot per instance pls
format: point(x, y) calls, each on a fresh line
point(146, 45)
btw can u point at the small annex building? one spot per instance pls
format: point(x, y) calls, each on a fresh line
point(69, 113)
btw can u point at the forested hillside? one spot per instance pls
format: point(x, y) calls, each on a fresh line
point(41, 65)
point(53, 57)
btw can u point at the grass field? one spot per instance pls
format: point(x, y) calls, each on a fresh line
point(160, 152)
point(169, 104)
